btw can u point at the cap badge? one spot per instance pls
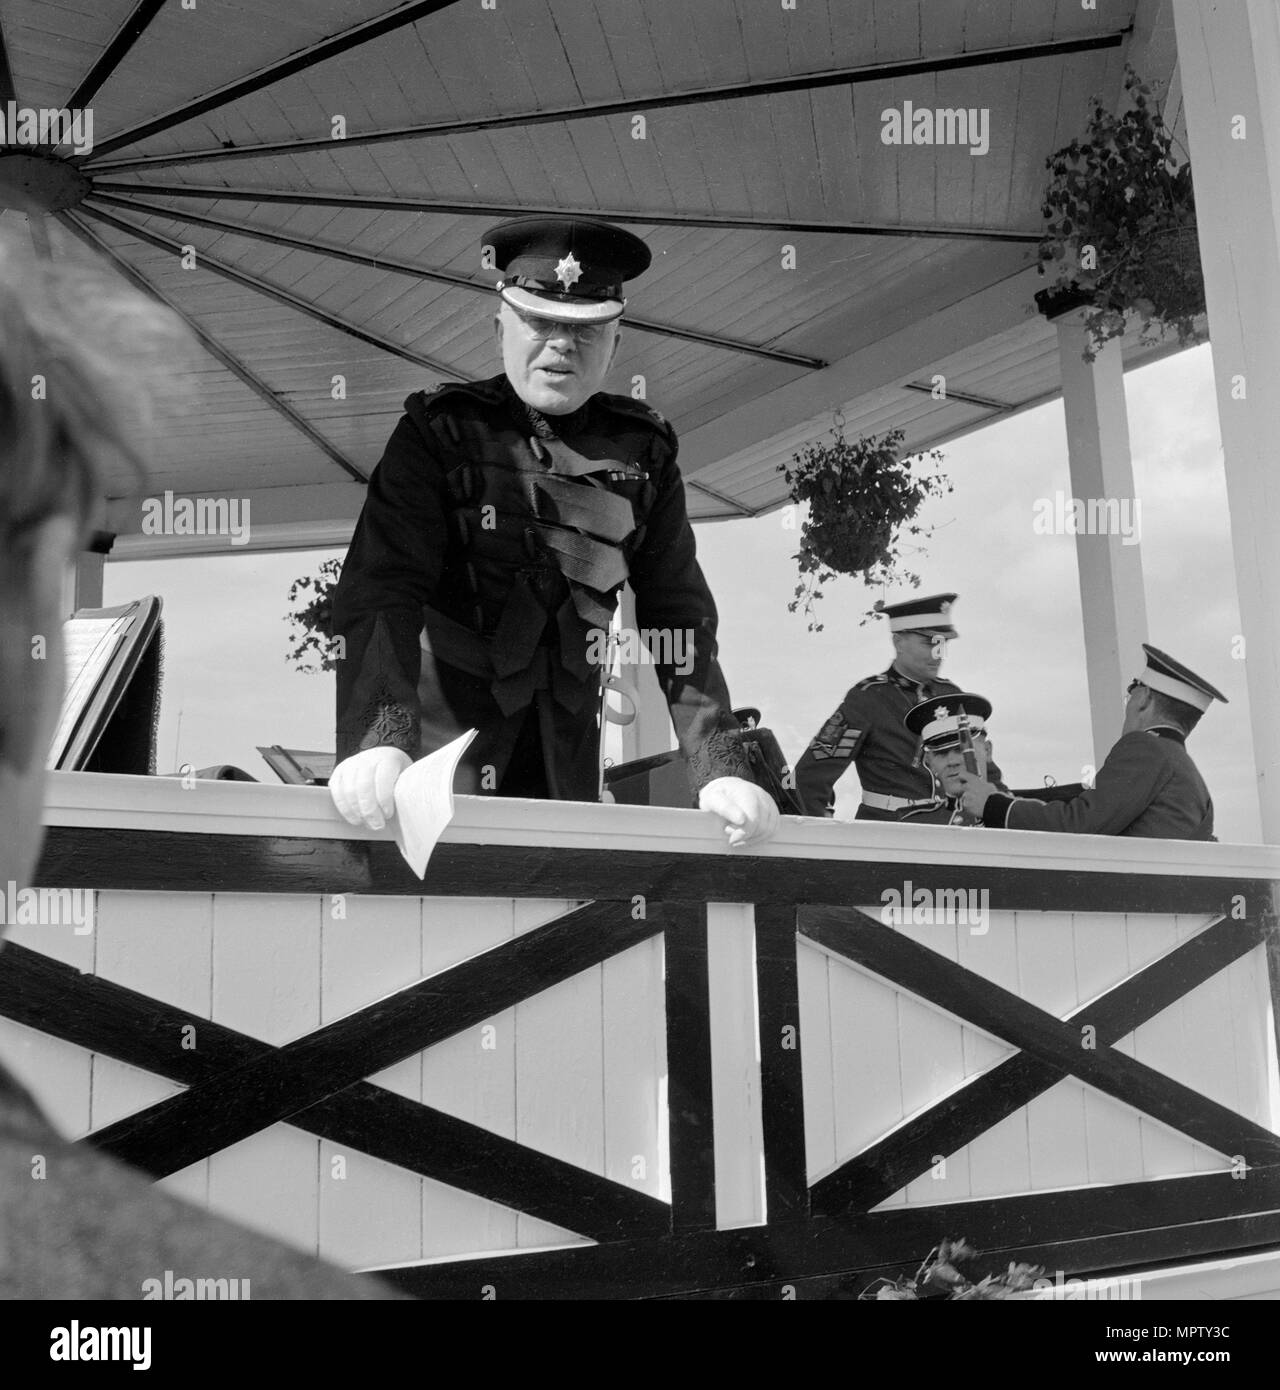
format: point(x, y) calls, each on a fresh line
point(941, 712)
point(568, 272)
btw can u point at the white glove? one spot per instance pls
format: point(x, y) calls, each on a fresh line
point(363, 785)
point(749, 810)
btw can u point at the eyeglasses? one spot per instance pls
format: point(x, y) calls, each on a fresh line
point(540, 329)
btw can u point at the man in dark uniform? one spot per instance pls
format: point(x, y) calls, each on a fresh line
point(499, 526)
point(867, 728)
point(1148, 785)
point(944, 726)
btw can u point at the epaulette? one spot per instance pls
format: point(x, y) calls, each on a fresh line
point(880, 679)
point(635, 410)
point(425, 404)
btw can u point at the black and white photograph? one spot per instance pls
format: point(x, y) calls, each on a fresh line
point(639, 661)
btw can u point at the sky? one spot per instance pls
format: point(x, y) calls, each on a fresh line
point(228, 688)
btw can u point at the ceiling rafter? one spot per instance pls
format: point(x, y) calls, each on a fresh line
point(635, 217)
point(211, 345)
point(967, 397)
point(115, 52)
point(764, 87)
point(274, 72)
point(279, 294)
point(445, 277)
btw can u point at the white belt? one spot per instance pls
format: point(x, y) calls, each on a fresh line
point(892, 803)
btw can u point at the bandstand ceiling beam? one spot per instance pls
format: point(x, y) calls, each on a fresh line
point(115, 52)
point(211, 345)
point(280, 295)
point(966, 397)
point(276, 72)
point(804, 82)
point(445, 277)
point(370, 203)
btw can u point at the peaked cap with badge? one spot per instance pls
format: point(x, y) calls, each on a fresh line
point(939, 725)
point(867, 728)
point(566, 268)
point(493, 541)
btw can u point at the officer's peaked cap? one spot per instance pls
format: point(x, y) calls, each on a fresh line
point(567, 268)
point(1172, 678)
point(930, 614)
point(937, 722)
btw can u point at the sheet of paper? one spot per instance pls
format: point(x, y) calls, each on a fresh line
point(424, 802)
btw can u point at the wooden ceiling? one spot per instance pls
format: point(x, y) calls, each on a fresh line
point(722, 132)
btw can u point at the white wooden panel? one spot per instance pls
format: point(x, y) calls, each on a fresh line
point(735, 1064)
point(537, 1049)
point(560, 1081)
point(868, 1085)
point(159, 944)
point(1249, 1014)
point(635, 1066)
point(812, 966)
point(266, 983)
point(999, 1160)
point(66, 940)
point(370, 1210)
point(1056, 1150)
point(56, 1073)
point(471, 1075)
point(987, 953)
point(1157, 1042)
point(1113, 1133)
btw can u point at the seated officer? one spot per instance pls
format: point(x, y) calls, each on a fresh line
point(867, 729)
point(950, 729)
point(1148, 785)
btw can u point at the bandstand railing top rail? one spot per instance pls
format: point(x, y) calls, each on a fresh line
point(823, 1236)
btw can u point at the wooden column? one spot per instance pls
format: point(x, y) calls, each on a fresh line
point(82, 585)
point(1229, 56)
point(1113, 600)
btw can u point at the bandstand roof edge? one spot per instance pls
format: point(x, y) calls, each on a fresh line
point(800, 264)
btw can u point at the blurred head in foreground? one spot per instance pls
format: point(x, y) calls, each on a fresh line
point(81, 357)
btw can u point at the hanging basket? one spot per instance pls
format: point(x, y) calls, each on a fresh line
point(1121, 225)
point(862, 499)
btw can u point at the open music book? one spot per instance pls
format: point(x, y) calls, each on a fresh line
point(112, 698)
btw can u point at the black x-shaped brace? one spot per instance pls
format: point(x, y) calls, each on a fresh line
point(1052, 1049)
point(238, 1085)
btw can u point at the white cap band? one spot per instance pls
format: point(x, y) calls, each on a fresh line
point(1176, 689)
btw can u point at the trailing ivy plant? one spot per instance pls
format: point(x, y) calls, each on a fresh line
point(312, 640)
point(948, 1273)
point(862, 498)
point(1121, 233)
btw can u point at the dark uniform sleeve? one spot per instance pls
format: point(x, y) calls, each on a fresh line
point(1126, 785)
point(672, 594)
point(828, 756)
point(391, 570)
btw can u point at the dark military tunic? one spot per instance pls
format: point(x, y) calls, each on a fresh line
point(484, 570)
point(867, 729)
point(1147, 787)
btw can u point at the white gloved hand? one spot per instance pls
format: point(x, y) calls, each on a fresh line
point(363, 785)
point(749, 810)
